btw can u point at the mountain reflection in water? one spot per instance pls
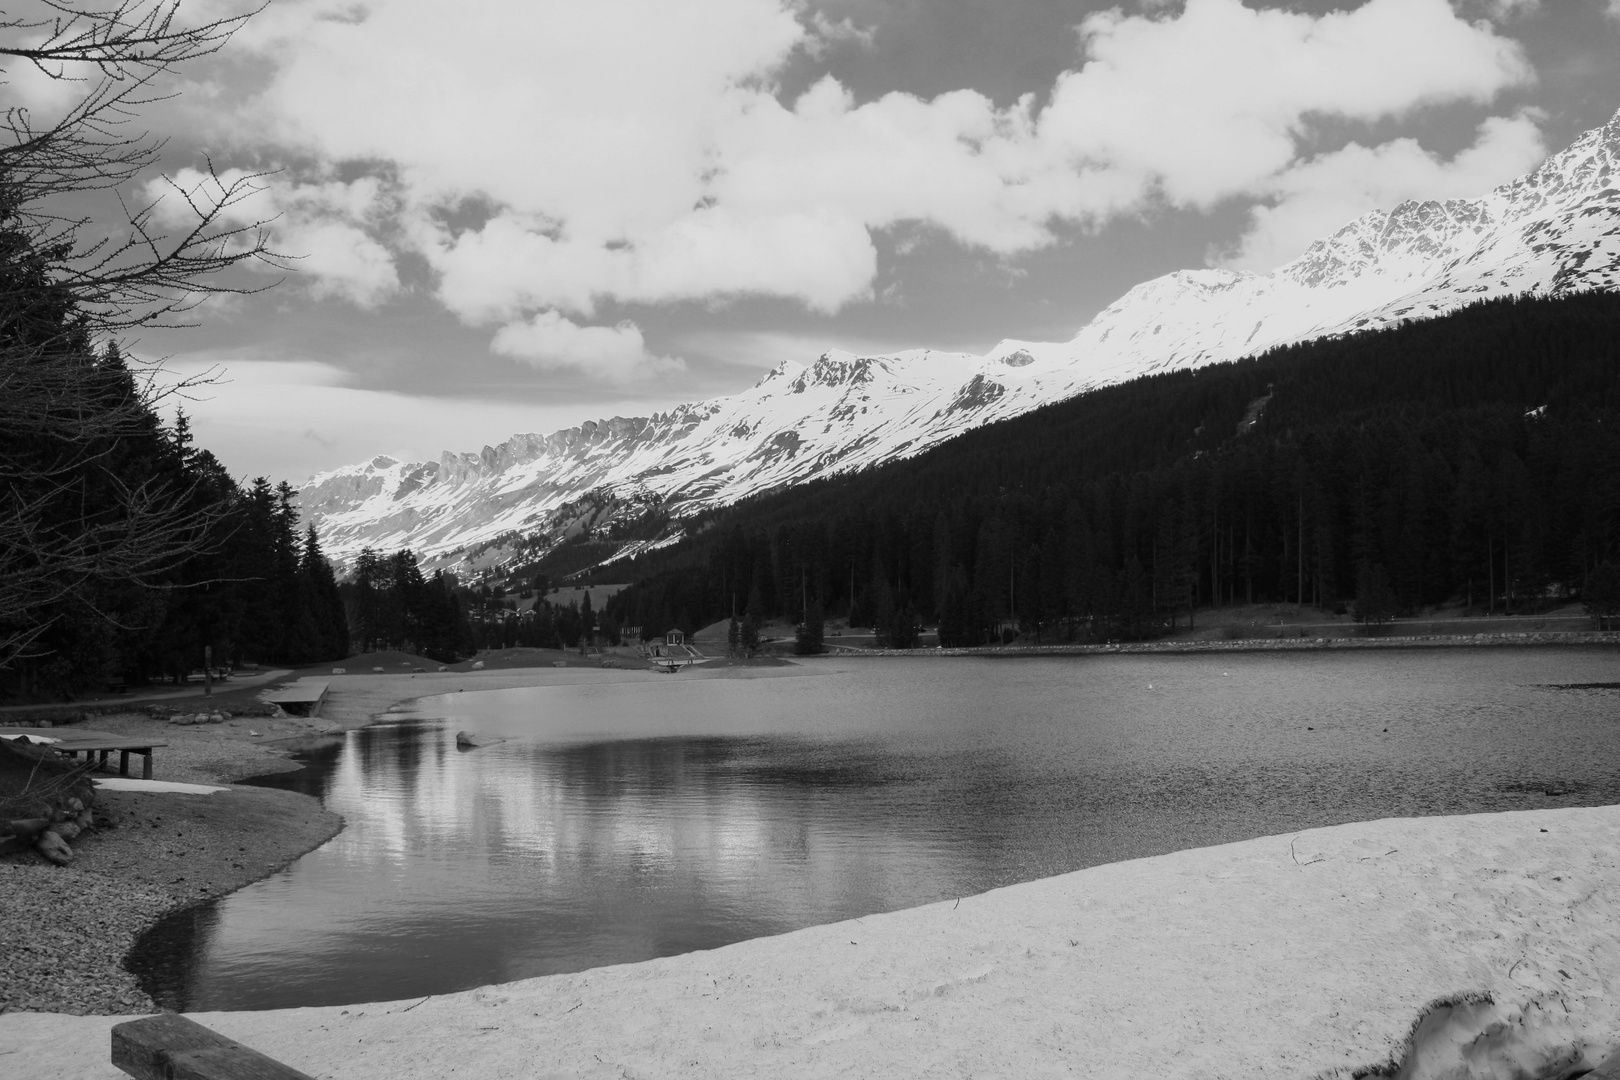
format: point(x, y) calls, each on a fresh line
point(647, 817)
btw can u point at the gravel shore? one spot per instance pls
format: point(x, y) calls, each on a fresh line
point(66, 930)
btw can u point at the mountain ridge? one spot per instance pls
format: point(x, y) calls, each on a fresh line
point(1553, 231)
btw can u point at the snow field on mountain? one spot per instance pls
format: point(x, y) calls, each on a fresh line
point(1554, 231)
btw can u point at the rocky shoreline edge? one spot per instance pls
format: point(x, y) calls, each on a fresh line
point(68, 929)
point(1259, 644)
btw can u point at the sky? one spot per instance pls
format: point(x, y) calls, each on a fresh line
point(506, 216)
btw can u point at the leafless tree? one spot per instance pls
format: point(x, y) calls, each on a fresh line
point(118, 56)
point(66, 288)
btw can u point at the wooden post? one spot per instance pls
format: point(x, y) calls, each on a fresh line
point(170, 1047)
point(208, 671)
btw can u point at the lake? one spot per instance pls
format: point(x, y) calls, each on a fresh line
point(624, 821)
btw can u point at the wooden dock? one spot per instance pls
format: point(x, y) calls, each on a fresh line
point(302, 698)
point(74, 741)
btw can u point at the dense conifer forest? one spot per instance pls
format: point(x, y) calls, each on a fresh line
point(1467, 459)
point(127, 554)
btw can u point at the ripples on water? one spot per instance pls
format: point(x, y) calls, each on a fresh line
point(657, 815)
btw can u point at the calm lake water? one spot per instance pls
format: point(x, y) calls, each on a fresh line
point(654, 816)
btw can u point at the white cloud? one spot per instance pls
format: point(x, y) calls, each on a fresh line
point(321, 226)
point(616, 353)
point(825, 32)
point(637, 152)
point(342, 260)
point(1208, 104)
point(1315, 197)
point(290, 418)
point(39, 89)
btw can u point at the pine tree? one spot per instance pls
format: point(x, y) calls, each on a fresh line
point(409, 614)
point(1601, 595)
point(811, 633)
point(1375, 597)
point(300, 631)
point(326, 603)
point(368, 604)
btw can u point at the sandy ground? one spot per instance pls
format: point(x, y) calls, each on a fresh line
point(1292, 956)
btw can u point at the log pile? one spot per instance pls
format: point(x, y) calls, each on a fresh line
point(45, 803)
point(48, 835)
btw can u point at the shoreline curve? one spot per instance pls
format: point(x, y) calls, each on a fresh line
point(1304, 955)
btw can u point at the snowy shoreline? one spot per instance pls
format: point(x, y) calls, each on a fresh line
point(1304, 955)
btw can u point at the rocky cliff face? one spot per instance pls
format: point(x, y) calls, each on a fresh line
point(1554, 231)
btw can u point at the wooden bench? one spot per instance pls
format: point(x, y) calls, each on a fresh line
point(170, 1047)
point(74, 741)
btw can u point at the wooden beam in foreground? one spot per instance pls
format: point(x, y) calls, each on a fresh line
point(170, 1047)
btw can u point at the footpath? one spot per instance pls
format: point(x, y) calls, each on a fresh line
point(190, 690)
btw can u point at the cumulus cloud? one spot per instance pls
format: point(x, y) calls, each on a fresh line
point(1206, 105)
point(826, 32)
point(1315, 197)
point(616, 353)
point(323, 226)
point(639, 152)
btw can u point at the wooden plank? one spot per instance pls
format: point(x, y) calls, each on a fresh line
point(171, 1047)
point(304, 691)
point(302, 698)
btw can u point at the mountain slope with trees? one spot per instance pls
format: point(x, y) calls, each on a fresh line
point(1469, 458)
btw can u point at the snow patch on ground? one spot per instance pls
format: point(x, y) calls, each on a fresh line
point(127, 783)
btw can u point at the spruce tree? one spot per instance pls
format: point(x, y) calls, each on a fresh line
point(326, 603)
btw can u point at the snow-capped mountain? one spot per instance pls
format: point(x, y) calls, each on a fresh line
point(1554, 231)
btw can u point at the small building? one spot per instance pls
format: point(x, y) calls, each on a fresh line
point(674, 644)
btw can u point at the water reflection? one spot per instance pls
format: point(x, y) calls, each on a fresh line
point(620, 822)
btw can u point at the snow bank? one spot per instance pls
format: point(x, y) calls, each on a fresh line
point(1289, 956)
point(129, 783)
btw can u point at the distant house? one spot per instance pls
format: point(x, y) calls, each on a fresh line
point(674, 644)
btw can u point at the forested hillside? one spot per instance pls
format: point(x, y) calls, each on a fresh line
point(1470, 458)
